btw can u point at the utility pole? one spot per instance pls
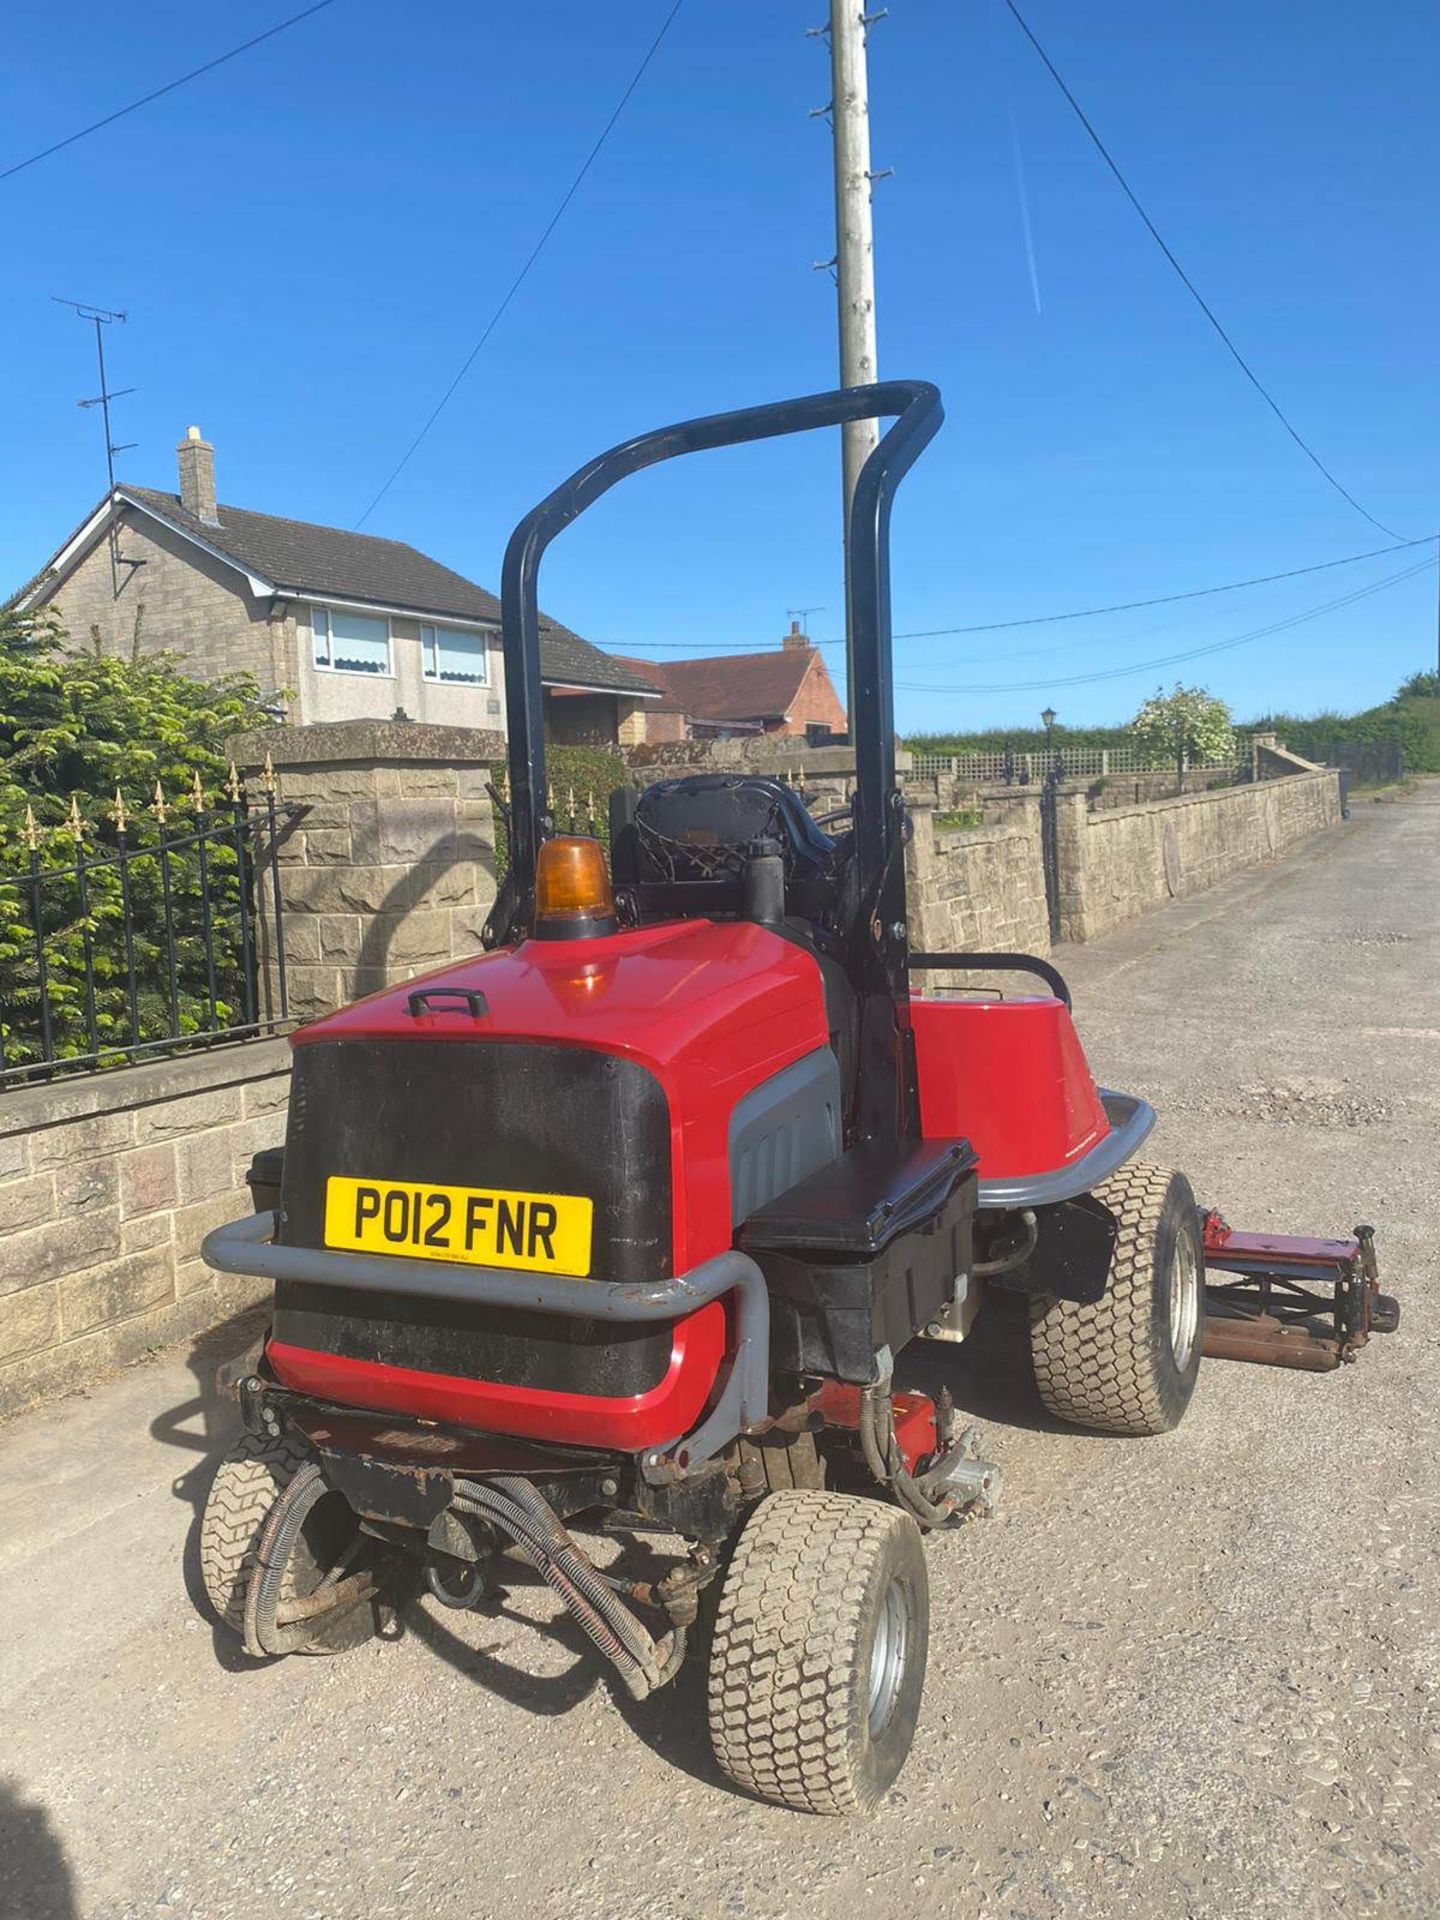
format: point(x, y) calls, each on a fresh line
point(854, 261)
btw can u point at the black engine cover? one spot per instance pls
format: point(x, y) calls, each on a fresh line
point(507, 1114)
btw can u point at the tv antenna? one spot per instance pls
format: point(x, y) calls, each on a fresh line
point(799, 613)
point(102, 317)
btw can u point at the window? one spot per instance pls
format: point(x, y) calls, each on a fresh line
point(455, 657)
point(350, 642)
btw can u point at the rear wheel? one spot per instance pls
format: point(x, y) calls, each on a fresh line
point(1127, 1363)
point(322, 1548)
point(818, 1656)
point(251, 1479)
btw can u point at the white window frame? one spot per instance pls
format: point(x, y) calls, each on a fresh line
point(429, 639)
point(320, 613)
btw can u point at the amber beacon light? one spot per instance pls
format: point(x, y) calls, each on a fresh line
point(573, 900)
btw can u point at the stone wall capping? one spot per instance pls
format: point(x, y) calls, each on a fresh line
point(369, 744)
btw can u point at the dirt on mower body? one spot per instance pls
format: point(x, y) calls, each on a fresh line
point(626, 1223)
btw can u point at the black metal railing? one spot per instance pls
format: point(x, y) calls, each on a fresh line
point(143, 929)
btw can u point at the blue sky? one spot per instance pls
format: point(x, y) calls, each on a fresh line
point(310, 240)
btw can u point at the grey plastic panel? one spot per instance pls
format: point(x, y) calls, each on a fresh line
point(783, 1131)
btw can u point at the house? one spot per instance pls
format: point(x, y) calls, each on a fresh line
point(786, 691)
point(353, 626)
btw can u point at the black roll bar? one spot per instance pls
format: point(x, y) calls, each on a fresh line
point(916, 405)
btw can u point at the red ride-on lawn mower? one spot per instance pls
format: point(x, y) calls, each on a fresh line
point(625, 1222)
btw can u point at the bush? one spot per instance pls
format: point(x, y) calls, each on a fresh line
point(1412, 720)
point(582, 780)
point(1021, 739)
point(1183, 727)
point(75, 730)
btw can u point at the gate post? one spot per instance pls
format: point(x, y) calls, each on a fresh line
point(1050, 848)
point(388, 867)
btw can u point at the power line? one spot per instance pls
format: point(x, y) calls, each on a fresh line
point(1176, 659)
point(160, 92)
point(1160, 600)
point(1188, 283)
point(1077, 613)
point(534, 255)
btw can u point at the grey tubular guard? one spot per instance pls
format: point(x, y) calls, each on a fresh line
point(247, 1246)
point(1131, 1121)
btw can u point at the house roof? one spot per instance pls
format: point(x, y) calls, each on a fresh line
point(669, 701)
point(297, 557)
point(741, 686)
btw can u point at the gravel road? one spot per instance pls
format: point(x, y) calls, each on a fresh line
point(1194, 1676)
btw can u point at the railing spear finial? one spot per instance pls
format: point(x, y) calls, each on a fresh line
point(121, 817)
point(197, 793)
point(32, 832)
point(158, 804)
point(75, 824)
point(233, 787)
point(267, 775)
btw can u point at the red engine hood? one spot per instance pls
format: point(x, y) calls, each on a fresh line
point(655, 994)
point(711, 1008)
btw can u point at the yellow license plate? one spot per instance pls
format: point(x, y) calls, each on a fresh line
point(487, 1226)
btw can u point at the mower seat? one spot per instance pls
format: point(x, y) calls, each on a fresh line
point(680, 849)
point(687, 829)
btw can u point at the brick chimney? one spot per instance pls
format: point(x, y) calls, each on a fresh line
point(795, 638)
point(197, 477)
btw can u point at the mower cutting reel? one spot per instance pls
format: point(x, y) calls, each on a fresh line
point(631, 1225)
point(1292, 1302)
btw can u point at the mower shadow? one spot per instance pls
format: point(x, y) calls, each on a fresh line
point(672, 1723)
point(989, 1374)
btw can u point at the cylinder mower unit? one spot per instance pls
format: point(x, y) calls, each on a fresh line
point(628, 1225)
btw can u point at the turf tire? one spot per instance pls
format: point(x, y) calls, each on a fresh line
point(1112, 1365)
point(804, 1602)
point(251, 1479)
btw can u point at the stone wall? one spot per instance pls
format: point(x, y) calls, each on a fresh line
point(389, 870)
point(978, 889)
point(1117, 864)
point(1137, 789)
point(108, 1183)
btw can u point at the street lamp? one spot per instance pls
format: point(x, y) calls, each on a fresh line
point(1048, 720)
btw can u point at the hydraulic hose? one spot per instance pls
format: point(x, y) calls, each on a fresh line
point(265, 1631)
point(580, 1569)
point(884, 1459)
point(521, 1513)
point(509, 1521)
point(1015, 1256)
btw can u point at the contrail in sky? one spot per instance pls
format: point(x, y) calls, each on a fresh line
point(1024, 200)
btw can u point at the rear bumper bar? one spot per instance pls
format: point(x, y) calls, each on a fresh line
point(247, 1246)
point(1131, 1121)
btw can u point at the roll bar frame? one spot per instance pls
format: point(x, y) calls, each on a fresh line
point(878, 945)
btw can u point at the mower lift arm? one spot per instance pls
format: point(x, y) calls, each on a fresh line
point(247, 1246)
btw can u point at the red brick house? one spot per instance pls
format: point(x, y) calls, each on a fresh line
point(786, 691)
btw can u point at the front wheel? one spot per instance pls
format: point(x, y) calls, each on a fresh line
point(817, 1662)
point(1127, 1363)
